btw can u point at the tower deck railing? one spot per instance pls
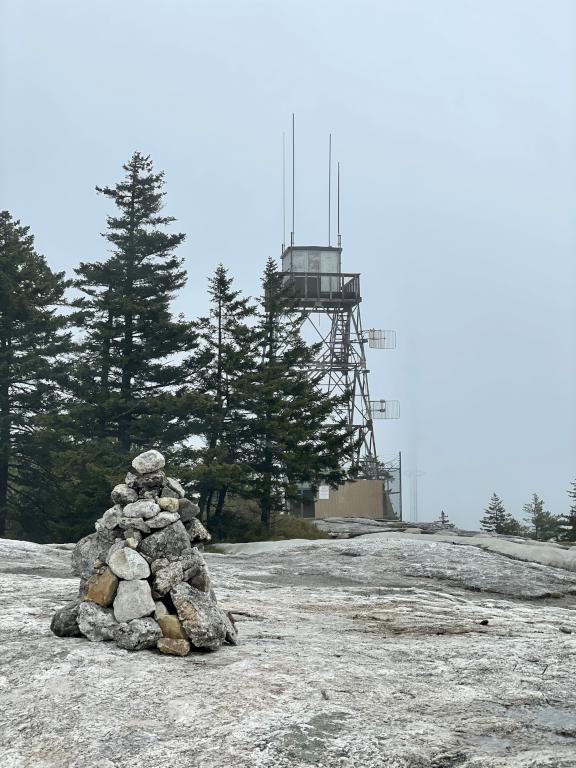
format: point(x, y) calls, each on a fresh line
point(325, 287)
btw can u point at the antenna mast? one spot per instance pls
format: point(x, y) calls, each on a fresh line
point(329, 187)
point(338, 186)
point(283, 190)
point(292, 233)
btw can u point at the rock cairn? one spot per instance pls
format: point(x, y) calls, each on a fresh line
point(143, 578)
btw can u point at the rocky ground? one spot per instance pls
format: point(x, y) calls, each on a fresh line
point(394, 650)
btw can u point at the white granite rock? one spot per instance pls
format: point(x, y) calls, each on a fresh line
point(127, 564)
point(144, 508)
point(168, 504)
point(202, 619)
point(162, 519)
point(137, 634)
point(95, 622)
point(175, 486)
point(171, 542)
point(123, 494)
point(133, 601)
point(150, 461)
point(136, 523)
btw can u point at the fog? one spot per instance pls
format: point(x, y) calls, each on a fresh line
point(455, 125)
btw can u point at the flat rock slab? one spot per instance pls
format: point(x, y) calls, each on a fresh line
point(344, 661)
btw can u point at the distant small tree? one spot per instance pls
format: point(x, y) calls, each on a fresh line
point(542, 524)
point(444, 520)
point(567, 523)
point(497, 520)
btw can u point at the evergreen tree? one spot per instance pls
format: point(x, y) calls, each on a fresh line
point(543, 525)
point(33, 338)
point(130, 381)
point(568, 521)
point(295, 434)
point(226, 354)
point(497, 520)
point(444, 520)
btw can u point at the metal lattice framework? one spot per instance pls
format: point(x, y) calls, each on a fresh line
point(330, 306)
point(340, 368)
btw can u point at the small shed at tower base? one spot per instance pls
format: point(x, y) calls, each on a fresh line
point(361, 498)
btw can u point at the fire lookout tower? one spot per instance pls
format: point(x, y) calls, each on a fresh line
point(330, 303)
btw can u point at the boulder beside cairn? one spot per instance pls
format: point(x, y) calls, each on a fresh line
point(143, 579)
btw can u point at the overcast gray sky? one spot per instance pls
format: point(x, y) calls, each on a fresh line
point(455, 123)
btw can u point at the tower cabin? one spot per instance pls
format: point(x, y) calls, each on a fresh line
point(315, 273)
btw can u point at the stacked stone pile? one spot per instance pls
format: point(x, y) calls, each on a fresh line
point(143, 578)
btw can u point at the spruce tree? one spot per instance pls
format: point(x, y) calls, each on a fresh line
point(295, 432)
point(568, 521)
point(445, 521)
point(225, 355)
point(130, 382)
point(497, 520)
point(33, 339)
point(542, 524)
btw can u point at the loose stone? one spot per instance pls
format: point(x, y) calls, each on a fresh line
point(188, 510)
point(151, 483)
point(168, 493)
point(136, 523)
point(171, 626)
point(175, 486)
point(130, 478)
point(123, 494)
point(144, 508)
point(95, 622)
point(149, 461)
point(133, 601)
point(171, 543)
point(110, 518)
point(160, 609)
point(65, 621)
point(173, 647)
point(168, 504)
point(101, 588)
point(162, 519)
point(197, 532)
point(93, 547)
point(137, 634)
point(202, 619)
point(127, 564)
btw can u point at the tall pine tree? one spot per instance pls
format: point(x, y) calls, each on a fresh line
point(295, 434)
point(33, 338)
point(131, 379)
point(226, 354)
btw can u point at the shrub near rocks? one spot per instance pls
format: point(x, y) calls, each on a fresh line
point(143, 579)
